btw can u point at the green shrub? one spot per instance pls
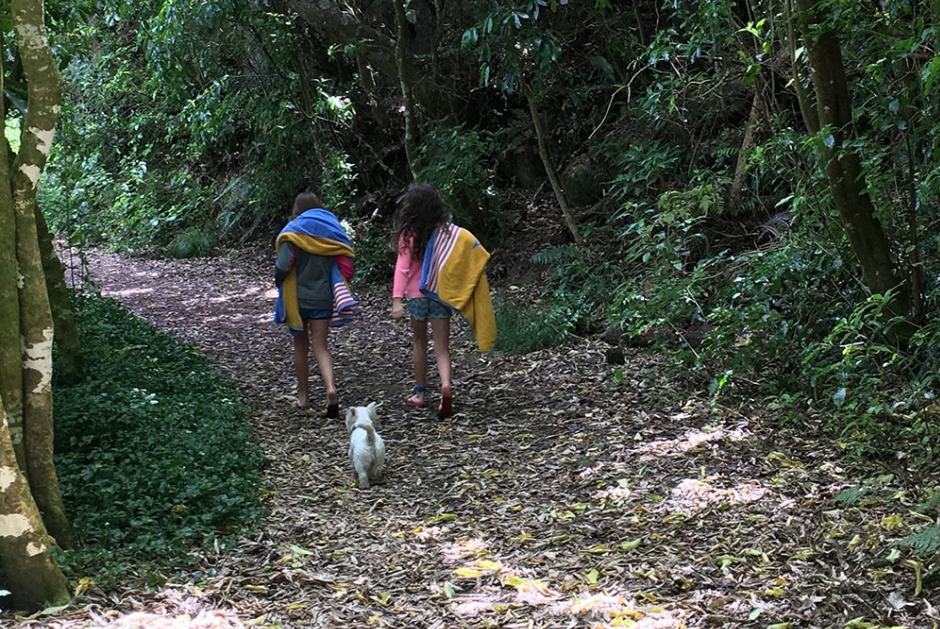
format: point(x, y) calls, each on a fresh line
point(461, 164)
point(192, 243)
point(375, 259)
point(525, 329)
point(154, 451)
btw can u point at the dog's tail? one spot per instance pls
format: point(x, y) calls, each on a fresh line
point(370, 431)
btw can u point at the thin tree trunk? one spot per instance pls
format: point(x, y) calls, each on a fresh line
point(915, 259)
point(70, 363)
point(11, 369)
point(34, 579)
point(368, 86)
point(401, 60)
point(640, 29)
point(551, 172)
point(843, 165)
point(750, 141)
point(44, 93)
point(807, 110)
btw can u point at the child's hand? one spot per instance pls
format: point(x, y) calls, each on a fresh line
point(398, 310)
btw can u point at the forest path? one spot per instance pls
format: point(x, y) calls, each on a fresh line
point(559, 495)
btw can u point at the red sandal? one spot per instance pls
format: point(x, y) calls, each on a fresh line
point(446, 409)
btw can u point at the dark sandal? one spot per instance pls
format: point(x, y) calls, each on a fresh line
point(332, 411)
point(414, 401)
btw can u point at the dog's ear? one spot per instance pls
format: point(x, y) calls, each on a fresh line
point(350, 416)
point(371, 408)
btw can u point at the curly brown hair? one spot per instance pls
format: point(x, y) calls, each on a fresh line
point(422, 210)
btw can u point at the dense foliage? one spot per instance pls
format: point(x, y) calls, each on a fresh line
point(685, 137)
point(147, 469)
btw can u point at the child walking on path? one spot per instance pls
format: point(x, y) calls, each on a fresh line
point(314, 262)
point(439, 270)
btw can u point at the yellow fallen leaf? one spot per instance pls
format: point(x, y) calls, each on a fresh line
point(256, 588)
point(591, 577)
point(382, 599)
point(514, 582)
point(774, 592)
point(468, 573)
point(300, 551)
point(84, 584)
point(255, 622)
point(918, 567)
point(486, 564)
point(444, 517)
point(891, 522)
point(631, 545)
point(726, 560)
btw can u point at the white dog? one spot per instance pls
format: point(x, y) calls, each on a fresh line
point(366, 448)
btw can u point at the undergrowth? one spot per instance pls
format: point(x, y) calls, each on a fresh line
point(154, 451)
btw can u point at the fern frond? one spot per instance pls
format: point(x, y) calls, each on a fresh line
point(930, 504)
point(923, 542)
point(849, 496)
point(554, 254)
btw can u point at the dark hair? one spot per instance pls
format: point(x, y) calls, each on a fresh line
point(422, 210)
point(305, 201)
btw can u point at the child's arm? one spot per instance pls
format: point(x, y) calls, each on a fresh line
point(284, 263)
point(402, 271)
point(400, 279)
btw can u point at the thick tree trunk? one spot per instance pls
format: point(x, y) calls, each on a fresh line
point(70, 363)
point(843, 166)
point(408, 104)
point(551, 172)
point(11, 369)
point(44, 92)
point(29, 572)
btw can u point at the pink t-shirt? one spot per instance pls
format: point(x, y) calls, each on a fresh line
point(407, 276)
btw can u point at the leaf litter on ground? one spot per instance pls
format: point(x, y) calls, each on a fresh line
point(563, 493)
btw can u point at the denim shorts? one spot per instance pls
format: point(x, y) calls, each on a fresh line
point(422, 308)
point(315, 314)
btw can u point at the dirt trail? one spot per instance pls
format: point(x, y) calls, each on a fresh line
point(558, 496)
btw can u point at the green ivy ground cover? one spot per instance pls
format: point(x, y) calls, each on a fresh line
point(154, 451)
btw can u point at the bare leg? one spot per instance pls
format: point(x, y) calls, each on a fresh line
point(301, 367)
point(440, 328)
point(320, 329)
point(419, 356)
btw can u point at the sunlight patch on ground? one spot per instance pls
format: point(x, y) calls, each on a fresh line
point(127, 293)
point(618, 610)
point(692, 495)
point(614, 493)
point(461, 550)
point(690, 441)
point(493, 586)
point(176, 611)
